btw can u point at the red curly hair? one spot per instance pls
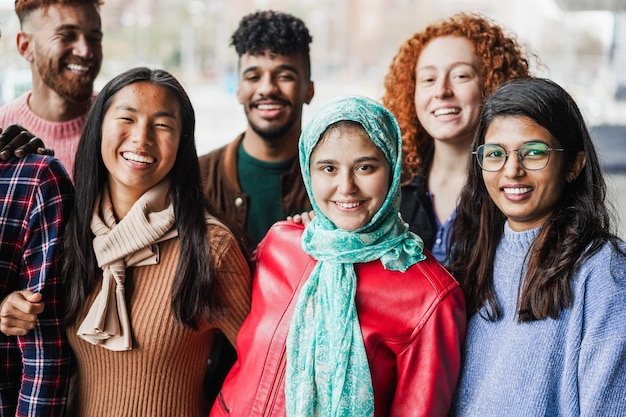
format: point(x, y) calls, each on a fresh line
point(501, 59)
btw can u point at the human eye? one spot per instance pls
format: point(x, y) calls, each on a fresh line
point(535, 150)
point(124, 116)
point(460, 76)
point(426, 80)
point(95, 38)
point(463, 73)
point(68, 35)
point(285, 76)
point(165, 121)
point(329, 169)
point(426, 76)
point(163, 125)
point(494, 152)
point(251, 76)
point(366, 168)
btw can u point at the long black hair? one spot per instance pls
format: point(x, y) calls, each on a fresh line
point(577, 228)
point(194, 287)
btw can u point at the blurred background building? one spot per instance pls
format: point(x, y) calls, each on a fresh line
point(581, 44)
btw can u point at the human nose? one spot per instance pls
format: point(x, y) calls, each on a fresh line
point(266, 85)
point(83, 48)
point(347, 184)
point(442, 88)
point(512, 165)
point(142, 135)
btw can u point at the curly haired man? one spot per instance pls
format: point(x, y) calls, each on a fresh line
point(256, 178)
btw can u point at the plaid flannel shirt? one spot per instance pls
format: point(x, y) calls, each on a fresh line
point(35, 198)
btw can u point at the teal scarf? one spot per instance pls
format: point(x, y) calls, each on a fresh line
point(327, 369)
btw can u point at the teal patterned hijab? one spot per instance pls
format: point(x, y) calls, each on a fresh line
point(327, 370)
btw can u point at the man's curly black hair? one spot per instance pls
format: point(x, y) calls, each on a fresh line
point(278, 32)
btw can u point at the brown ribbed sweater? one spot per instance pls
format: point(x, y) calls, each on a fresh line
point(162, 375)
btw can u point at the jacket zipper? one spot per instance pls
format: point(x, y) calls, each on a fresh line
point(223, 403)
point(276, 385)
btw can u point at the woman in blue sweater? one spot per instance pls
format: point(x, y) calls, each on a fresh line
point(544, 276)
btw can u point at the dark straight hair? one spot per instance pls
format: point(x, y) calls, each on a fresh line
point(577, 228)
point(194, 286)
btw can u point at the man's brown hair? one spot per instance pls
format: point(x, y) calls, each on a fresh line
point(23, 8)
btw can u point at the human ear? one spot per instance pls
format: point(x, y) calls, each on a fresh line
point(310, 92)
point(239, 94)
point(23, 46)
point(576, 166)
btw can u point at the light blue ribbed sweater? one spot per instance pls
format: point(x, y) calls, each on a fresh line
point(572, 366)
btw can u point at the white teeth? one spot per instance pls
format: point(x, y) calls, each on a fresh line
point(77, 68)
point(269, 106)
point(521, 190)
point(348, 205)
point(443, 112)
point(138, 158)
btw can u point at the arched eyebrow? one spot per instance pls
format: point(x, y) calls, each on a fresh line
point(131, 109)
point(452, 65)
point(367, 159)
point(283, 67)
point(326, 162)
point(67, 26)
point(356, 161)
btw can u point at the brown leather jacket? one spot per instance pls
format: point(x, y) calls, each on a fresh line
point(413, 325)
point(218, 170)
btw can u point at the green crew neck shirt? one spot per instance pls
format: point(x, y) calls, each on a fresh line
point(260, 181)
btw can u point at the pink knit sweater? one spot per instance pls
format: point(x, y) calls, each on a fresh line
point(63, 137)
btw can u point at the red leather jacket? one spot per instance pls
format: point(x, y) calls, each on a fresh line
point(413, 325)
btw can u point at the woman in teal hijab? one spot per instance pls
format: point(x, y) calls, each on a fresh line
point(350, 316)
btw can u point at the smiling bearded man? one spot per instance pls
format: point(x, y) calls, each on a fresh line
point(62, 41)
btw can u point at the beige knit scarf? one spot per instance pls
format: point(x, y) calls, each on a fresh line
point(131, 242)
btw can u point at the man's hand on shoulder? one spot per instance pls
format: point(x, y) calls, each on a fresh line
point(19, 142)
point(305, 217)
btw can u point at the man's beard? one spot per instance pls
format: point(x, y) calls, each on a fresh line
point(274, 132)
point(76, 90)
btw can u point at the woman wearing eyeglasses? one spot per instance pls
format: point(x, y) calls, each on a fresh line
point(544, 276)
